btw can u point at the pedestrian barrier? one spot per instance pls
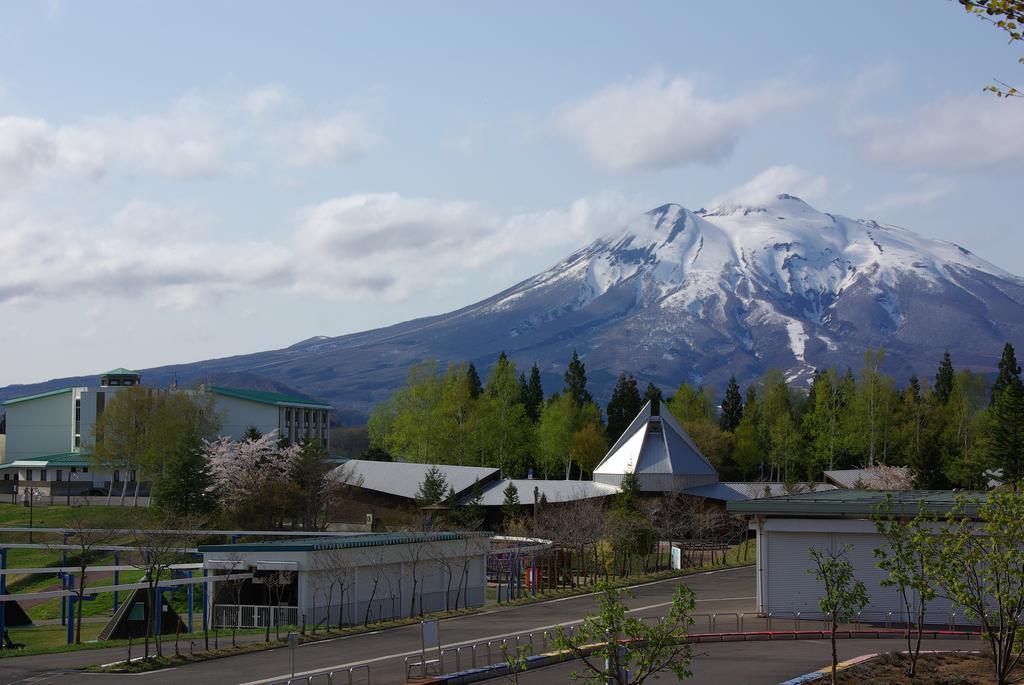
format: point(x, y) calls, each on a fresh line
point(338, 676)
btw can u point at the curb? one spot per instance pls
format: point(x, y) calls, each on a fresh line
point(825, 671)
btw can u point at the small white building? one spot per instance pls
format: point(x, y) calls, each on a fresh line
point(376, 576)
point(836, 520)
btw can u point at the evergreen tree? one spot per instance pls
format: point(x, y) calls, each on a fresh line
point(623, 406)
point(533, 394)
point(252, 433)
point(1006, 440)
point(186, 486)
point(510, 507)
point(434, 489)
point(627, 501)
point(471, 515)
point(1009, 373)
point(653, 395)
point(473, 378)
point(576, 381)
point(310, 485)
point(944, 379)
point(732, 407)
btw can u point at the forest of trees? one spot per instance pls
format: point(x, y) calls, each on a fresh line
point(952, 430)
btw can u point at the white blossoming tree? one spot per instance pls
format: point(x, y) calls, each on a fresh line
point(249, 474)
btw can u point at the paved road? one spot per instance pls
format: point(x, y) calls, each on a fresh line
point(729, 590)
point(757, 663)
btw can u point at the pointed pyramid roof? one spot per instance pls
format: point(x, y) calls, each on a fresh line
point(659, 451)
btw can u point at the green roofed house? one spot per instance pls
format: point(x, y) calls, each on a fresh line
point(49, 434)
point(789, 526)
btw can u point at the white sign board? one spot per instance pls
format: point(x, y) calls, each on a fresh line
point(431, 635)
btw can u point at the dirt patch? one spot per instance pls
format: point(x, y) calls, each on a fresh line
point(947, 668)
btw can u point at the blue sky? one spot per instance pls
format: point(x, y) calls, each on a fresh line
point(181, 181)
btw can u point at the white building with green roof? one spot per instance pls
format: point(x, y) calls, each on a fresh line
point(49, 434)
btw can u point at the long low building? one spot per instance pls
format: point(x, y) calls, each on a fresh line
point(345, 579)
point(789, 526)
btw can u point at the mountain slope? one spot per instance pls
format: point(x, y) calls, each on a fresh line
point(682, 295)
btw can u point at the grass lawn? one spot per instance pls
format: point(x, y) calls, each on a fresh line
point(60, 516)
point(46, 637)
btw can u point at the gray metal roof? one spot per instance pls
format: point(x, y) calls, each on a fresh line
point(856, 503)
point(403, 479)
point(733, 492)
point(858, 478)
point(335, 542)
point(655, 445)
point(493, 494)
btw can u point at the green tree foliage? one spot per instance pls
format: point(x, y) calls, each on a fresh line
point(511, 508)
point(690, 404)
point(872, 408)
point(473, 379)
point(310, 486)
point(471, 515)
point(186, 485)
point(908, 559)
point(576, 381)
point(587, 446)
point(825, 420)
point(628, 650)
point(1009, 373)
point(843, 595)
point(1008, 16)
point(627, 501)
point(506, 433)
point(434, 488)
point(533, 394)
point(623, 406)
point(1005, 444)
point(653, 395)
point(980, 567)
point(152, 430)
point(561, 424)
point(732, 407)
point(944, 378)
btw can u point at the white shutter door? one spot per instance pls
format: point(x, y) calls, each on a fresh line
point(861, 554)
point(790, 586)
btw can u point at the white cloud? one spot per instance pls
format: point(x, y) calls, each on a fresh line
point(373, 244)
point(658, 122)
point(927, 191)
point(772, 182)
point(60, 258)
point(978, 132)
point(342, 138)
point(27, 148)
point(191, 139)
point(259, 102)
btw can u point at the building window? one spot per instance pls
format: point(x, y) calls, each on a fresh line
point(117, 476)
point(42, 475)
point(85, 469)
point(28, 474)
point(7, 476)
point(131, 476)
point(128, 383)
point(60, 475)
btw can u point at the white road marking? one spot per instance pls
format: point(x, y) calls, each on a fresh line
point(400, 655)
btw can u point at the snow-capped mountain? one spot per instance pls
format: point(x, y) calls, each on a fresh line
point(689, 295)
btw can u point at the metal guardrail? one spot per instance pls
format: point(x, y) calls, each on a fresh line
point(337, 676)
